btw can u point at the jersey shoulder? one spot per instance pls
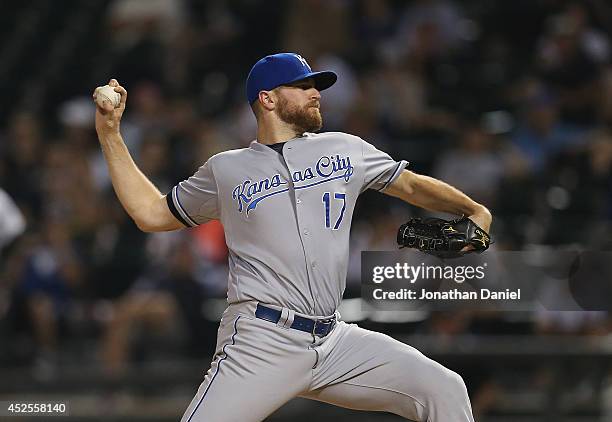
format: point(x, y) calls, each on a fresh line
point(337, 137)
point(230, 154)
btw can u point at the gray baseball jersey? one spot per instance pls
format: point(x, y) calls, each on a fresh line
point(287, 217)
point(287, 221)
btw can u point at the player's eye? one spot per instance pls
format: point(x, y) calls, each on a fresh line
point(303, 86)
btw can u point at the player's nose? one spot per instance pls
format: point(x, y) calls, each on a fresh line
point(314, 94)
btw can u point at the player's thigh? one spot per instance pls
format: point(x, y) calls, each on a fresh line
point(375, 358)
point(255, 371)
point(371, 371)
point(234, 394)
point(359, 397)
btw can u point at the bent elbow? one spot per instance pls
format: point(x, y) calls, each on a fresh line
point(146, 226)
point(156, 219)
point(154, 226)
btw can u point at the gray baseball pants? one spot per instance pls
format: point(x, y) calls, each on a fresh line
point(258, 366)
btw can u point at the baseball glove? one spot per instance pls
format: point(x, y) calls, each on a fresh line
point(443, 238)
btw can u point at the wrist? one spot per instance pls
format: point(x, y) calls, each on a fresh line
point(107, 128)
point(110, 136)
point(481, 216)
point(481, 210)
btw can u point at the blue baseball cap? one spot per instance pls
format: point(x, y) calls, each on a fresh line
point(284, 68)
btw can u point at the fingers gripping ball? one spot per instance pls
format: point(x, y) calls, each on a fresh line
point(107, 93)
point(442, 238)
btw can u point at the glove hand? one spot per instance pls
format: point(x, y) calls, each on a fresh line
point(483, 220)
point(442, 238)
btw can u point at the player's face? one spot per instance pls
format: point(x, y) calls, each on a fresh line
point(299, 105)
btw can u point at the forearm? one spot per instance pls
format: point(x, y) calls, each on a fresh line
point(435, 195)
point(135, 192)
point(139, 197)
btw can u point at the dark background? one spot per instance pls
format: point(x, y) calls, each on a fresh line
point(510, 101)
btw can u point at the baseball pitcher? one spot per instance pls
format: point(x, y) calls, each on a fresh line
point(286, 204)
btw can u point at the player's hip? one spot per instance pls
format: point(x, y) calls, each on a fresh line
point(277, 325)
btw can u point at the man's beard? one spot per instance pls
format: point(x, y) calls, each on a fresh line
point(303, 119)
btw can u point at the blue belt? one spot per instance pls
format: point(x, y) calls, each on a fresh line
point(319, 327)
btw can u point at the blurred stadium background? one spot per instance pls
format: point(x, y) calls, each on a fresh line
point(511, 101)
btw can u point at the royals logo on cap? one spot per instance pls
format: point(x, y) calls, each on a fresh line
point(304, 62)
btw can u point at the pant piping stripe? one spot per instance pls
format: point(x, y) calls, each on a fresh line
point(217, 371)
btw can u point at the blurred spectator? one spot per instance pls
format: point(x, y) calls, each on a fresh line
point(473, 167)
point(45, 272)
point(342, 95)
point(317, 27)
point(209, 138)
point(540, 134)
point(182, 124)
point(375, 25)
point(118, 252)
point(23, 151)
point(428, 30)
point(605, 110)
point(132, 19)
point(362, 121)
point(571, 323)
point(569, 57)
point(12, 223)
point(146, 105)
point(575, 19)
point(577, 194)
point(154, 160)
point(168, 298)
point(68, 188)
point(240, 125)
point(600, 166)
point(138, 33)
point(401, 96)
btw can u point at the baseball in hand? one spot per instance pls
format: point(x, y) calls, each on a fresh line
point(107, 93)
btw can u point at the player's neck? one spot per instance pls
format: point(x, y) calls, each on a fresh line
point(268, 134)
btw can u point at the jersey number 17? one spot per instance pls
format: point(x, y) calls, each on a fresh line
point(327, 202)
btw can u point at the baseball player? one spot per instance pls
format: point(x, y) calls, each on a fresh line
point(286, 204)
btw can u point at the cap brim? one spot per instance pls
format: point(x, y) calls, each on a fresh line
point(322, 80)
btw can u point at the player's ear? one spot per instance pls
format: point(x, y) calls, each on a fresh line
point(266, 99)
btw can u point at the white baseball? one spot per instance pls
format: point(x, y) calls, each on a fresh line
point(107, 93)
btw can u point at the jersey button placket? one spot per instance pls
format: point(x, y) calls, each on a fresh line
point(302, 217)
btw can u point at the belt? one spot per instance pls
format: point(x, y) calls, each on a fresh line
point(318, 327)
